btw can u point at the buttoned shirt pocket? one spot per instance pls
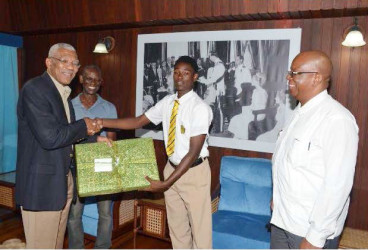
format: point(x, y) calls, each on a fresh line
point(316, 159)
point(298, 155)
point(184, 127)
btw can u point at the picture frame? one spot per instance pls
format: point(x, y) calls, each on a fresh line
point(242, 77)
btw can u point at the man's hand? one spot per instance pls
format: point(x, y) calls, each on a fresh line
point(156, 186)
point(306, 245)
point(99, 122)
point(104, 139)
point(92, 127)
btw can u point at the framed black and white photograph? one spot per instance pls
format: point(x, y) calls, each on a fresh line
point(242, 76)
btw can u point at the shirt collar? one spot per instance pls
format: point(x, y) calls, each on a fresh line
point(78, 101)
point(184, 98)
point(315, 101)
point(63, 90)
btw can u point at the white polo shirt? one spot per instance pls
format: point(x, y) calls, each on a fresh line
point(313, 170)
point(194, 118)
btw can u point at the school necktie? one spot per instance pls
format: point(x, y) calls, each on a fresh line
point(171, 140)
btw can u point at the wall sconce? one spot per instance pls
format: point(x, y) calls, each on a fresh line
point(354, 38)
point(105, 45)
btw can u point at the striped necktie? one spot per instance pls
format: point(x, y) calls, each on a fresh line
point(171, 140)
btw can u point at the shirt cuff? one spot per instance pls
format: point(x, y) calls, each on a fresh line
point(315, 238)
point(148, 115)
point(199, 131)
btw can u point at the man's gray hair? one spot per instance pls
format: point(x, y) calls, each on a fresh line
point(57, 46)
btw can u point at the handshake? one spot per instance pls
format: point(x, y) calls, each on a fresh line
point(93, 125)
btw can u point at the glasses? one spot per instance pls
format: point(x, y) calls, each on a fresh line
point(295, 73)
point(90, 80)
point(65, 62)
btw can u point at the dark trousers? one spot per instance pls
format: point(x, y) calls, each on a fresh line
point(281, 239)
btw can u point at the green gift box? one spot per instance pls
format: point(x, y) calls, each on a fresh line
point(106, 170)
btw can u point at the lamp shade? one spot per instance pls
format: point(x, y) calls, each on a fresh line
point(354, 38)
point(100, 48)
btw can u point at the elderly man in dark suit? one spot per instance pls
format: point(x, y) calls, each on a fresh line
point(46, 132)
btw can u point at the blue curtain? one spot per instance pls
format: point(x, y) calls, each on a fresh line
point(8, 104)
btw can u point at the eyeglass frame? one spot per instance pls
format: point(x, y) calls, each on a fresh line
point(295, 73)
point(65, 62)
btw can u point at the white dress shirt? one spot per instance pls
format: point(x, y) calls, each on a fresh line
point(194, 118)
point(217, 77)
point(313, 170)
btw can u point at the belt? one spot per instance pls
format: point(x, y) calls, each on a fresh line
point(195, 163)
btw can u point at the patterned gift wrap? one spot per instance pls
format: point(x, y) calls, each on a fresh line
point(132, 160)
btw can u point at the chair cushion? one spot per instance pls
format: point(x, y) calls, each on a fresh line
point(90, 225)
point(240, 230)
point(90, 216)
point(90, 208)
point(246, 185)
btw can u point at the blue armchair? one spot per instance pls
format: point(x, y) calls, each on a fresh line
point(243, 216)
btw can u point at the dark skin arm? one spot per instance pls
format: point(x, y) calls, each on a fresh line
point(125, 123)
point(196, 143)
point(306, 245)
point(111, 135)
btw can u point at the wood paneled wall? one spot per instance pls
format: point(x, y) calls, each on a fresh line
point(349, 80)
point(54, 15)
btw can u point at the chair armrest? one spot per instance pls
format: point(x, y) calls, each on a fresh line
point(215, 198)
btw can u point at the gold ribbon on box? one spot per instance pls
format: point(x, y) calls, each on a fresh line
point(132, 160)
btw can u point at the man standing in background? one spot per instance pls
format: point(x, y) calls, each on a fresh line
point(90, 104)
point(216, 82)
point(314, 161)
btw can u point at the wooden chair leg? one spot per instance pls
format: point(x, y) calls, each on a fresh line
point(135, 223)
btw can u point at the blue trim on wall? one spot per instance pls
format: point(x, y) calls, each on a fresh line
point(11, 40)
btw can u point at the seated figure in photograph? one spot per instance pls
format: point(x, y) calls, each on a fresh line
point(253, 98)
point(185, 119)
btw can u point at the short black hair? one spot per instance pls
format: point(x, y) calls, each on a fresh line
point(93, 67)
point(189, 60)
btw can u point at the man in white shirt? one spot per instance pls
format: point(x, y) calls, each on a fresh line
point(187, 173)
point(314, 161)
point(242, 74)
point(216, 88)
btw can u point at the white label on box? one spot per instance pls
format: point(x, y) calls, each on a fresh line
point(103, 165)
